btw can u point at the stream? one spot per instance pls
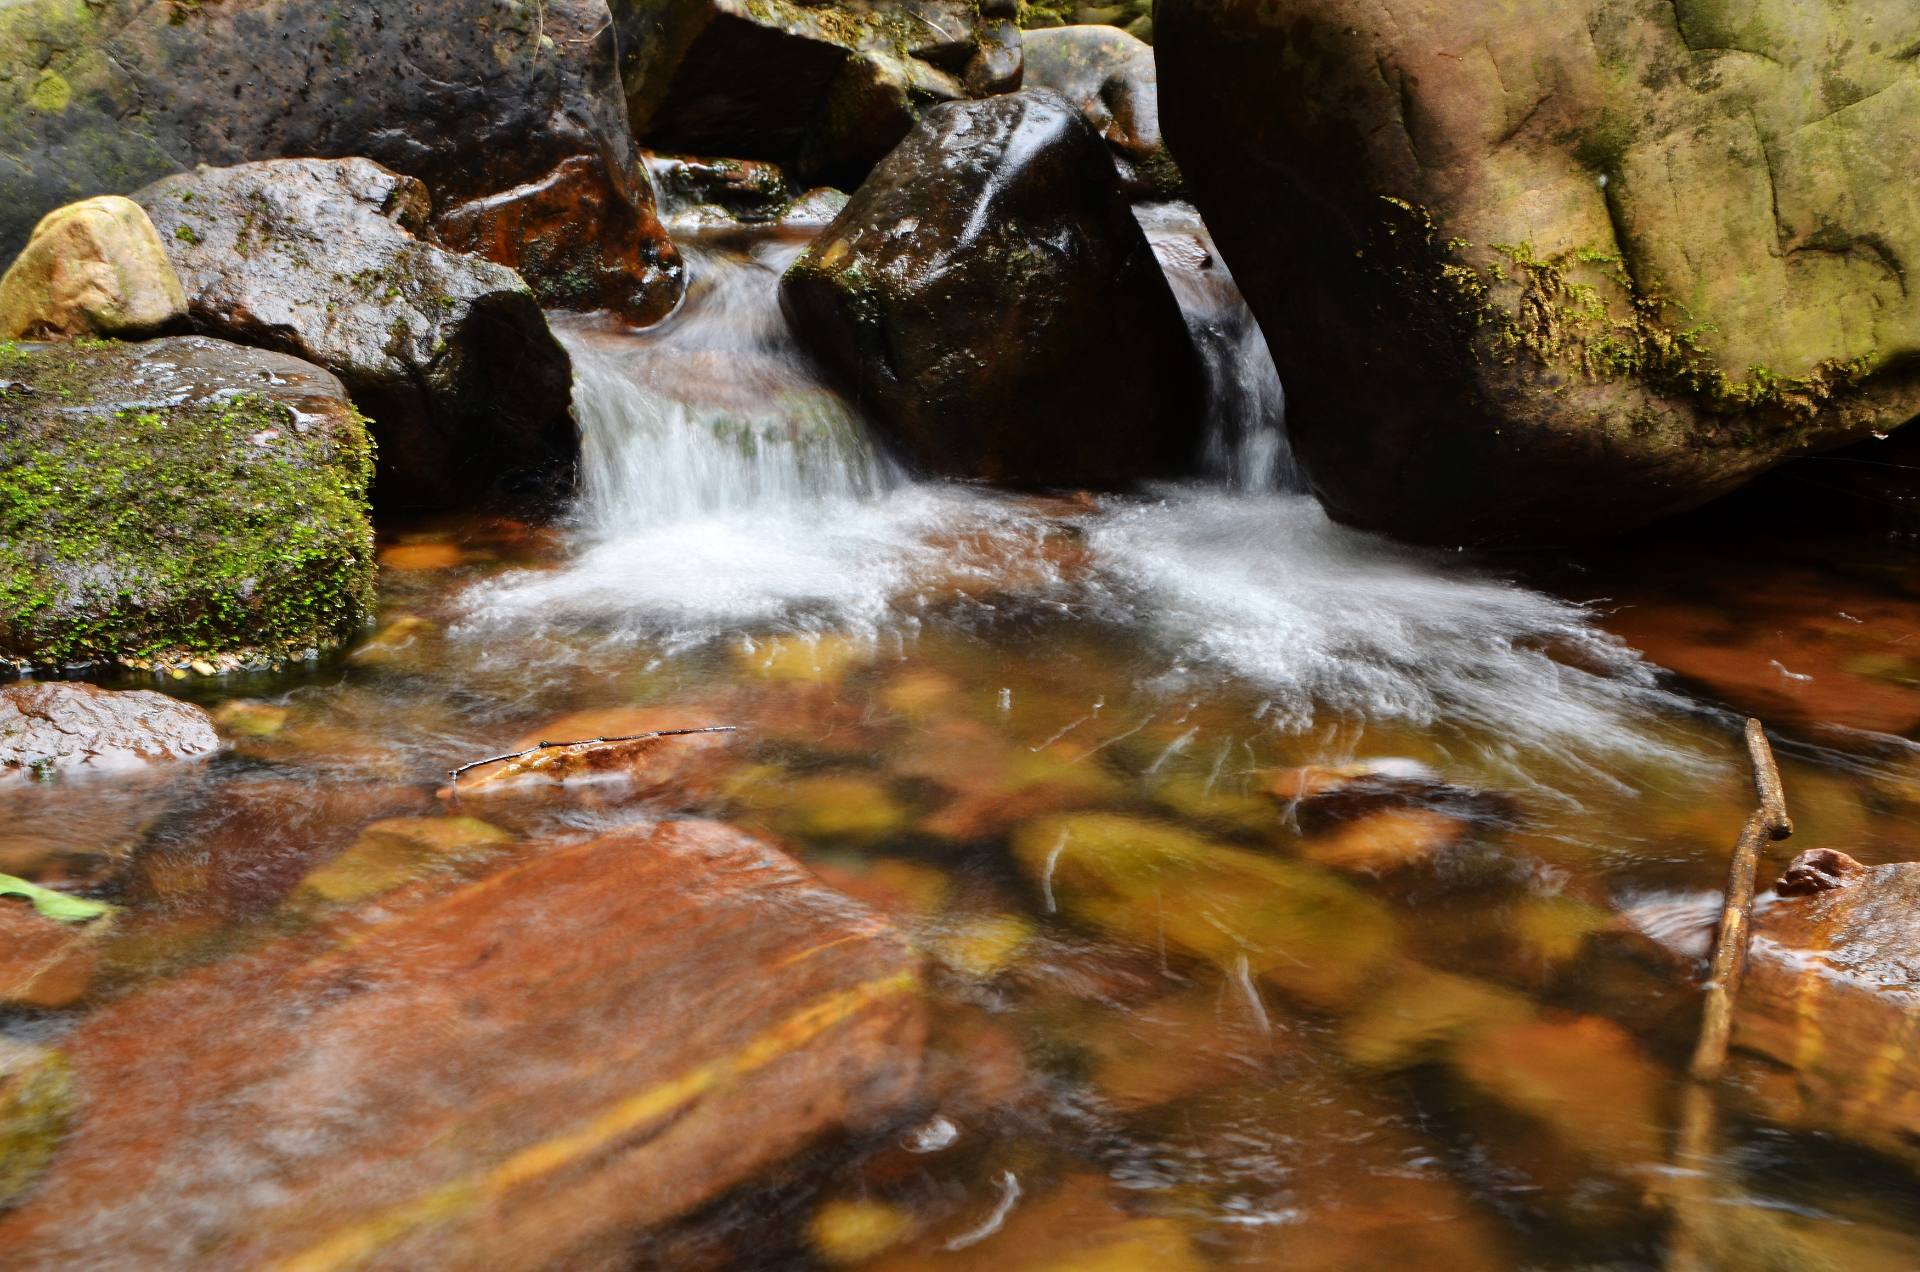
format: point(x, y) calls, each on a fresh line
point(919, 670)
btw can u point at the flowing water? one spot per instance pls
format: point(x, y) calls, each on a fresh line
point(1465, 1069)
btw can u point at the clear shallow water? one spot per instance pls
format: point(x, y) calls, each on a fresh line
point(923, 674)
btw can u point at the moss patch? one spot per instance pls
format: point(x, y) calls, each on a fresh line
point(166, 532)
point(1581, 312)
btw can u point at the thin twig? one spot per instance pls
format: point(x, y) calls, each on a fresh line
point(453, 775)
point(1729, 967)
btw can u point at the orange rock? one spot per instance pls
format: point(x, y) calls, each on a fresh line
point(1386, 841)
point(643, 765)
point(1584, 1080)
point(44, 963)
point(522, 1073)
point(1832, 995)
point(421, 556)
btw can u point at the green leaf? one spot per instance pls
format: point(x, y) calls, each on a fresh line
point(54, 905)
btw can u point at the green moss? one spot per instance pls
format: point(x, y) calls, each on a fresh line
point(1579, 311)
point(162, 534)
point(187, 234)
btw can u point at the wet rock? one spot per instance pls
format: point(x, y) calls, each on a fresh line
point(182, 498)
point(36, 1108)
point(474, 98)
point(831, 87)
point(45, 963)
point(579, 239)
point(1386, 841)
point(1161, 1051)
point(94, 268)
point(827, 807)
point(727, 190)
point(1485, 279)
point(1423, 1014)
point(1584, 1081)
point(397, 850)
point(1297, 927)
point(1110, 76)
point(630, 751)
point(1832, 998)
point(1079, 1222)
point(588, 1044)
point(68, 728)
point(855, 1229)
point(990, 299)
point(467, 388)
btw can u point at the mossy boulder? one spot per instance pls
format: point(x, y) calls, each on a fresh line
point(1111, 77)
point(991, 301)
point(828, 87)
point(481, 100)
point(1546, 269)
point(179, 500)
point(324, 259)
point(93, 268)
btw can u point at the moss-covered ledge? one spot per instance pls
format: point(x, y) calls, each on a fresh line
point(178, 503)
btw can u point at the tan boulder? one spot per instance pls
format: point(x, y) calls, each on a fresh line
point(93, 268)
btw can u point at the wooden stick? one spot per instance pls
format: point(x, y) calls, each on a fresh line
point(453, 775)
point(1729, 967)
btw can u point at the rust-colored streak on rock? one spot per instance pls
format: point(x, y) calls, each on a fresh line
point(522, 1072)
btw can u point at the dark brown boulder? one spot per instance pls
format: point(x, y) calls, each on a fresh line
point(1110, 76)
point(993, 304)
point(62, 726)
point(449, 355)
point(1558, 268)
point(523, 1072)
point(474, 98)
point(828, 87)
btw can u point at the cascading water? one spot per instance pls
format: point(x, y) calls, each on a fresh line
point(727, 491)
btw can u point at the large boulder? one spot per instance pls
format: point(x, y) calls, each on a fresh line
point(183, 500)
point(993, 304)
point(525, 1072)
point(449, 355)
point(1111, 77)
point(93, 268)
point(831, 87)
point(1548, 269)
point(479, 99)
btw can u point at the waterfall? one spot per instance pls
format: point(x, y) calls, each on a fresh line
point(716, 410)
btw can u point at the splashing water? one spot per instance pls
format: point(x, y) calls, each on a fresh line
point(727, 489)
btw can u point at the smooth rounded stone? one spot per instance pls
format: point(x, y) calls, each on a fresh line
point(1494, 300)
point(181, 499)
point(476, 98)
point(991, 302)
point(828, 87)
point(726, 190)
point(63, 726)
point(1300, 928)
point(450, 356)
point(567, 1054)
point(397, 850)
point(94, 268)
point(36, 1109)
point(1111, 77)
point(45, 964)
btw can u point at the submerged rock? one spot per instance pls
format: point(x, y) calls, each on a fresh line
point(45, 963)
point(65, 727)
point(519, 1073)
point(1303, 929)
point(94, 268)
point(991, 300)
point(831, 87)
point(182, 498)
point(477, 99)
point(451, 356)
point(1474, 237)
point(1110, 76)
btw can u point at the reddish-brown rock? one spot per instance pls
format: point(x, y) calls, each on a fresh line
point(520, 1073)
point(44, 963)
point(1832, 995)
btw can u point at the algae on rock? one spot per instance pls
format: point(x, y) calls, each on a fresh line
point(178, 499)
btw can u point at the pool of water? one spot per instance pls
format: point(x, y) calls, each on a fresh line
point(952, 702)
